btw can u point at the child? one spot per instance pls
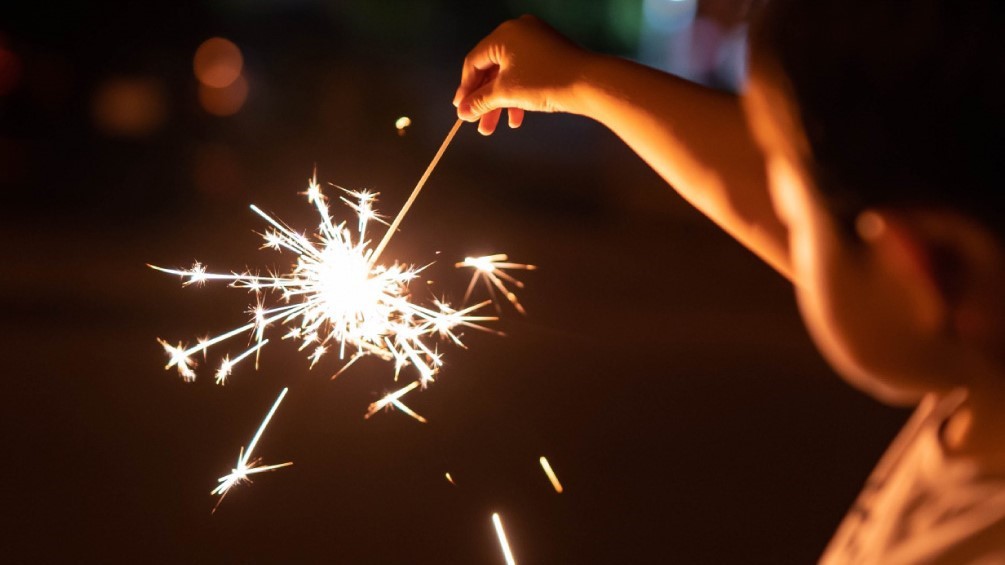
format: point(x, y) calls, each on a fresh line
point(862, 163)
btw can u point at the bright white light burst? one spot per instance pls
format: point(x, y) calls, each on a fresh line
point(336, 297)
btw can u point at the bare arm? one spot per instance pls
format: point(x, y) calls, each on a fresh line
point(696, 138)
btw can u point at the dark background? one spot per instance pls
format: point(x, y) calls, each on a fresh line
point(662, 369)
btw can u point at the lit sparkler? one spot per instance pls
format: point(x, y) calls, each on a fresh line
point(245, 465)
point(338, 297)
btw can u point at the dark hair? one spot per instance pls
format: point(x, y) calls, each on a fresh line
point(902, 102)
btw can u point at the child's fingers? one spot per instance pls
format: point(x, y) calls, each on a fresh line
point(478, 103)
point(480, 66)
point(515, 116)
point(489, 121)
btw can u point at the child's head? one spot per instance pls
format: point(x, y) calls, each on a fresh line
point(883, 124)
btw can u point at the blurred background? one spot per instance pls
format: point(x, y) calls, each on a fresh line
point(661, 368)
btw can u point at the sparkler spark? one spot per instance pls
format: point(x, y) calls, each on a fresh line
point(490, 269)
point(394, 399)
point(245, 465)
point(551, 474)
point(501, 534)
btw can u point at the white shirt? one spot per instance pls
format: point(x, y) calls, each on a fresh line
point(921, 505)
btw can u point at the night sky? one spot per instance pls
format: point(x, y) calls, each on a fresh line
point(661, 368)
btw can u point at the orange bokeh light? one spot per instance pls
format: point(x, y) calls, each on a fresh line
point(129, 106)
point(218, 63)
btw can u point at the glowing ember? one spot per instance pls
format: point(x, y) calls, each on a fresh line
point(507, 553)
point(551, 474)
point(450, 479)
point(245, 465)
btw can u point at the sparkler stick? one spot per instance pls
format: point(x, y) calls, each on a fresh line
point(551, 474)
point(507, 553)
point(415, 193)
point(244, 467)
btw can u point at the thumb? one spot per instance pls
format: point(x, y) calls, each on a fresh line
point(480, 102)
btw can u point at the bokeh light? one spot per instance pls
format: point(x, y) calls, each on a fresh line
point(129, 106)
point(218, 63)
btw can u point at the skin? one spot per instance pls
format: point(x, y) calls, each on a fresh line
point(913, 306)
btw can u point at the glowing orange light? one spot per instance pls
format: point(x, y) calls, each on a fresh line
point(218, 62)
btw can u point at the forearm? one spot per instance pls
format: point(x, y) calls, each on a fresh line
point(696, 138)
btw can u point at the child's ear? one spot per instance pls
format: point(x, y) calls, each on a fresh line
point(952, 266)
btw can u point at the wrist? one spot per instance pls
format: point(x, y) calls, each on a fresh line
point(587, 86)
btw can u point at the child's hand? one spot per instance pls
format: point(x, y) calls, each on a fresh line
point(523, 65)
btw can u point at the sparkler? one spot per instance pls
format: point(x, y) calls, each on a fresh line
point(245, 465)
point(338, 297)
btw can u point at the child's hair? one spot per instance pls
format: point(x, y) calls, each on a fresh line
point(902, 103)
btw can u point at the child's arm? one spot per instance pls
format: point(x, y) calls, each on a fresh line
point(696, 138)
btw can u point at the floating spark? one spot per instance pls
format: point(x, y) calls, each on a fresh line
point(245, 465)
point(551, 474)
point(489, 269)
point(507, 553)
point(450, 479)
point(401, 123)
point(394, 399)
point(227, 366)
